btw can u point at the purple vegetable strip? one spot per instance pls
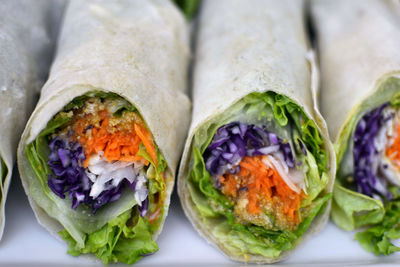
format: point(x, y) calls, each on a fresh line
point(145, 206)
point(364, 152)
point(68, 176)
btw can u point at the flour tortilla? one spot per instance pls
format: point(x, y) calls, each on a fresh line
point(358, 45)
point(136, 49)
point(244, 47)
point(26, 46)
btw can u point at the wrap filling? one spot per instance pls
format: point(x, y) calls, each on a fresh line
point(259, 175)
point(96, 152)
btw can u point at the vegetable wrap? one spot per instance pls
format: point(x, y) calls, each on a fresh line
point(358, 43)
point(25, 53)
point(98, 156)
point(256, 174)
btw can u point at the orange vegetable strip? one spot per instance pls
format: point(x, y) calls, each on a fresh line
point(147, 141)
point(123, 145)
point(393, 151)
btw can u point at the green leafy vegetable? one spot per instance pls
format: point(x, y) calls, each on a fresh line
point(378, 238)
point(395, 100)
point(315, 183)
point(124, 239)
point(351, 210)
point(156, 183)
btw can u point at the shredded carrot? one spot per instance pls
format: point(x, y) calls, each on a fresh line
point(147, 141)
point(262, 183)
point(121, 144)
point(393, 151)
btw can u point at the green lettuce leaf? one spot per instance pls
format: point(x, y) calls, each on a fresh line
point(156, 183)
point(378, 238)
point(282, 116)
point(125, 238)
point(351, 210)
point(315, 183)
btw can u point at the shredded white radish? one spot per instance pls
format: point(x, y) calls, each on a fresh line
point(269, 149)
point(141, 191)
point(106, 175)
point(390, 171)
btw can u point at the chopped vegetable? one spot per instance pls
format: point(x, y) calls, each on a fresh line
point(263, 187)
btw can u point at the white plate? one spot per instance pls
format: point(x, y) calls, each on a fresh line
point(25, 242)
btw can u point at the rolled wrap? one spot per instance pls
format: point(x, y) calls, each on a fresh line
point(358, 45)
point(137, 50)
point(246, 51)
point(25, 54)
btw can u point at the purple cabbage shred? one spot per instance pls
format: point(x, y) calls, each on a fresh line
point(367, 180)
point(235, 140)
point(144, 208)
